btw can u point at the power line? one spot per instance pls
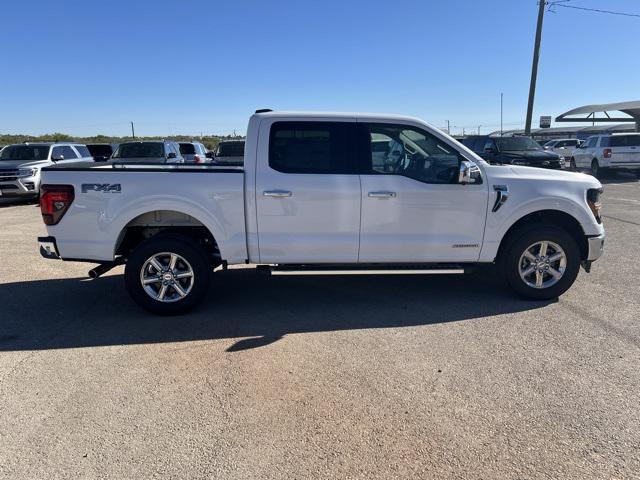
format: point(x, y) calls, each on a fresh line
point(610, 12)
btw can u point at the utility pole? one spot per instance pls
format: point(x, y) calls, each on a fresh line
point(534, 66)
point(448, 128)
point(479, 129)
point(501, 95)
point(133, 132)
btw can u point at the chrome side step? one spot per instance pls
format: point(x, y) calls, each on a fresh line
point(432, 271)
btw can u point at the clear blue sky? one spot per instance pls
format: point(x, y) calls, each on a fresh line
point(174, 67)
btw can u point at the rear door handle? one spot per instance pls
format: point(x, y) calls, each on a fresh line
point(277, 193)
point(382, 194)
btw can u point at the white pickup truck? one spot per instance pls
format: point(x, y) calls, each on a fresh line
point(324, 193)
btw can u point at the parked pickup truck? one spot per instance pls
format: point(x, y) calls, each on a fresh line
point(311, 200)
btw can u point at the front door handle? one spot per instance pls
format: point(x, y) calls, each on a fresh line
point(382, 194)
point(277, 193)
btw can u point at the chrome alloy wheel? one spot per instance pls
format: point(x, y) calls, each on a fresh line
point(542, 264)
point(166, 277)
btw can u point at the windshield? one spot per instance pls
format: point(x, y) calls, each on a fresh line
point(100, 150)
point(230, 149)
point(140, 150)
point(517, 144)
point(25, 152)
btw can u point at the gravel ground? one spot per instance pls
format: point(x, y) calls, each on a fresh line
point(329, 377)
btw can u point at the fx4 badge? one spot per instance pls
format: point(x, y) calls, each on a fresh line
point(101, 187)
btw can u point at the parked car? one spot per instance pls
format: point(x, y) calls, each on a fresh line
point(101, 152)
point(563, 147)
point(20, 165)
point(164, 151)
point(229, 152)
point(513, 150)
point(194, 152)
point(310, 200)
point(617, 151)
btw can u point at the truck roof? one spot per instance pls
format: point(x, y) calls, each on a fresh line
point(336, 115)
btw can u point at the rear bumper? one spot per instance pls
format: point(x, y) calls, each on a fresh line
point(48, 248)
point(596, 247)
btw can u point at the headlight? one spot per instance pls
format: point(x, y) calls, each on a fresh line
point(593, 200)
point(26, 172)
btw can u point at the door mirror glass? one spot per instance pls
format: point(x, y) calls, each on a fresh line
point(468, 173)
point(57, 158)
point(171, 155)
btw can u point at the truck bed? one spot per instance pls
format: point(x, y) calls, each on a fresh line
point(109, 197)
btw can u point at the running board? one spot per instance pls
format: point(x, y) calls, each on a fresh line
point(378, 270)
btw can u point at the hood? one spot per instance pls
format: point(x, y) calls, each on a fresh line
point(13, 164)
point(545, 174)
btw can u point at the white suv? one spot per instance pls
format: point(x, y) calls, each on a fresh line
point(20, 165)
point(618, 151)
point(562, 147)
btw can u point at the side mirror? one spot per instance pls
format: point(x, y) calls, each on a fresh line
point(468, 172)
point(489, 150)
point(209, 155)
point(171, 155)
point(57, 158)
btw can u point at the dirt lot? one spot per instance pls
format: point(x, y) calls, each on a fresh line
point(330, 377)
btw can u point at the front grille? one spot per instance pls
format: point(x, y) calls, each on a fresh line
point(8, 187)
point(8, 175)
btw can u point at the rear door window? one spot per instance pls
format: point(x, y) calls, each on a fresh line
point(312, 147)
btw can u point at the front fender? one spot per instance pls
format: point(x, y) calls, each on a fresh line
point(499, 223)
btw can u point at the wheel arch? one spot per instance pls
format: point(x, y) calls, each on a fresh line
point(148, 224)
point(557, 218)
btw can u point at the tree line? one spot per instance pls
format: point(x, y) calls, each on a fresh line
point(209, 141)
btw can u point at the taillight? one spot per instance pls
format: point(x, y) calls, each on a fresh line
point(197, 158)
point(606, 153)
point(55, 200)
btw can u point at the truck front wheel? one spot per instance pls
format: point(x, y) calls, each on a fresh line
point(167, 274)
point(541, 263)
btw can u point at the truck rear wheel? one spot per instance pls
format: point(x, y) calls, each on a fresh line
point(168, 274)
point(541, 263)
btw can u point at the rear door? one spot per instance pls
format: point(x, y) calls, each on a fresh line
point(413, 209)
point(307, 191)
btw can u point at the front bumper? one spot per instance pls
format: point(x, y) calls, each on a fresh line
point(19, 187)
point(596, 247)
point(48, 248)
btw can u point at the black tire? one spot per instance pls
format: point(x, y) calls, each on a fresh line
point(596, 171)
point(195, 258)
point(510, 261)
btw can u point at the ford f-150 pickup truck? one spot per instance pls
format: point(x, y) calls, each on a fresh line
point(324, 193)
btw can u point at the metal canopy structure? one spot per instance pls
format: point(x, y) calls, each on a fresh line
point(632, 109)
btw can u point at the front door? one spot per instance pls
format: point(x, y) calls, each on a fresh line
point(413, 209)
point(307, 192)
